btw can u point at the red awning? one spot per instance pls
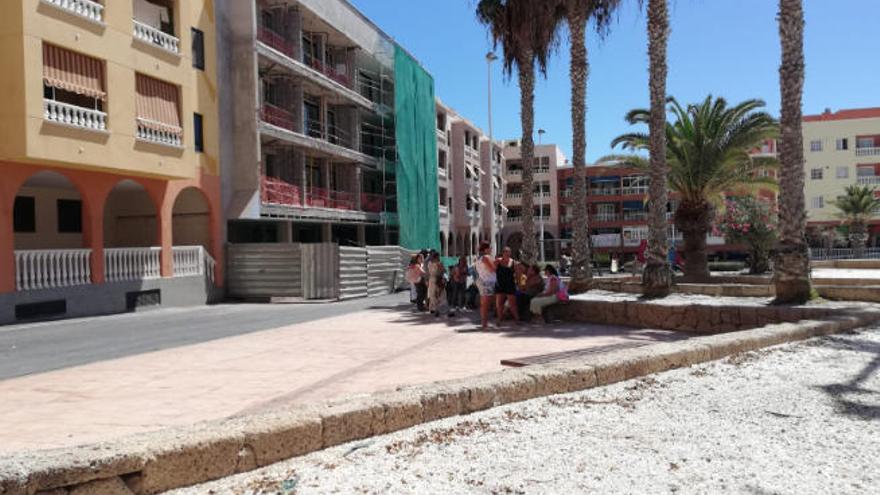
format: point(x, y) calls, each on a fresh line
point(158, 104)
point(74, 72)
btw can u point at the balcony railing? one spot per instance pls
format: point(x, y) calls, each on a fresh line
point(605, 192)
point(51, 268)
point(372, 203)
point(634, 191)
point(606, 217)
point(157, 132)
point(149, 34)
point(63, 113)
point(471, 153)
point(330, 72)
point(275, 40)
point(441, 137)
point(277, 191)
point(277, 116)
point(92, 11)
point(515, 172)
point(868, 151)
point(132, 263)
point(444, 210)
point(636, 215)
point(326, 198)
point(869, 180)
point(192, 261)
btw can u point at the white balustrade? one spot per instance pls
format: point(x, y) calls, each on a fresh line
point(606, 240)
point(605, 217)
point(148, 130)
point(870, 180)
point(132, 263)
point(86, 9)
point(188, 260)
point(868, 151)
point(63, 113)
point(51, 268)
point(152, 35)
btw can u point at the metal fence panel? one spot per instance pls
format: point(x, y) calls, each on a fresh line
point(384, 269)
point(320, 266)
point(843, 254)
point(264, 270)
point(353, 280)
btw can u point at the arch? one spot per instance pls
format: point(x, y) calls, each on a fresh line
point(191, 219)
point(474, 244)
point(130, 216)
point(442, 244)
point(49, 212)
point(551, 247)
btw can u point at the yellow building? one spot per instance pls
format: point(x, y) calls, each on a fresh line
point(110, 190)
point(840, 149)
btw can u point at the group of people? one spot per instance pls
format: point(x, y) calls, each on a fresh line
point(501, 283)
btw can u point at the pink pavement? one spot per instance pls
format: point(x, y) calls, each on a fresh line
point(359, 353)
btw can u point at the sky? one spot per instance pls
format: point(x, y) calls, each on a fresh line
point(726, 48)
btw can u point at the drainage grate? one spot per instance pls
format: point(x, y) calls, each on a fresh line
point(40, 309)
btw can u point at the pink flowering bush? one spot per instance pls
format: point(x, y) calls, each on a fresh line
point(752, 222)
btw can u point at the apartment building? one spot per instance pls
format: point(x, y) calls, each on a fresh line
point(548, 159)
point(310, 146)
point(469, 171)
point(840, 149)
point(110, 197)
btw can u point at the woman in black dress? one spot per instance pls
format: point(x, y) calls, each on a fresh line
point(505, 287)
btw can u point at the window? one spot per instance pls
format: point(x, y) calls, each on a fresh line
point(816, 174)
point(763, 173)
point(816, 145)
point(73, 79)
point(817, 202)
point(198, 49)
point(24, 214)
point(545, 161)
point(867, 142)
point(198, 136)
point(843, 172)
point(69, 216)
point(842, 144)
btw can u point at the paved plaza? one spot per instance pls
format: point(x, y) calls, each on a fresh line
point(356, 352)
point(753, 423)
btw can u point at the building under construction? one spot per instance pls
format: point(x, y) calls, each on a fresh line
point(328, 133)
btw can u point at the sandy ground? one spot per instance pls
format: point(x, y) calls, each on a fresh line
point(799, 418)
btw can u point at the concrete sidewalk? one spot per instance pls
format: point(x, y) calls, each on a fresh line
point(361, 352)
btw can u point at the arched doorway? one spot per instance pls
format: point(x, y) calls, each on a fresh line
point(47, 230)
point(474, 244)
point(130, 218)
point(443, 244)
point(191, 219)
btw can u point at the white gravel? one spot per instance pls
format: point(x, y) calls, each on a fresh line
point(799, 418)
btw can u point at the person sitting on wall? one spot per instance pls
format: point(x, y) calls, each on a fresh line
point(554, 292)
point(531, 285)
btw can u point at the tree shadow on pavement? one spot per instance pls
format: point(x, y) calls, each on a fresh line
point(845, 394)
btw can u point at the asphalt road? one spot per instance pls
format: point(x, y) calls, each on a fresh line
point(38, 347)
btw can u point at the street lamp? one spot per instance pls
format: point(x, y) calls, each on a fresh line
point(491, 57)
point(541, 133)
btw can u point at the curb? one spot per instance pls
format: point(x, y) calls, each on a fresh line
point(155, 462)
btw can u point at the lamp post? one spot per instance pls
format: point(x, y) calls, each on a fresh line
point(541, 133)
point(491, 57)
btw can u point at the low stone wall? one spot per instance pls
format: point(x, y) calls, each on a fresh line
point(695, 318)
point(157, 462)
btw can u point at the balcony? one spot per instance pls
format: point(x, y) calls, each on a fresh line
point(279, 192)
point(444, 211)
point(72, 115)
point(278, 42)
point(153, 36)
point(514, 219)
point(514, 172)
point(441, 137)
point(86, 9)
point(635, 215)
point(330, 72)
point(868, 151)
point(372, 203)
point(159, 133)
point(869, 180)
point(605, 217)
point(635, 191)
point(277, 116)
point(472, 154)
point(605, 191)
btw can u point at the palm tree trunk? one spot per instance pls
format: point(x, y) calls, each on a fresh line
point(581, 274)
point(792, 268)
point(694, 221)
point(657, 278)
point(526, 69)
point(858, 238)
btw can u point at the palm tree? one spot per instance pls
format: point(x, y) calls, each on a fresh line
point(791, 274)
point(857, 207)
point(526, 31)
point(577, 14)
point(657, 277)
point(707, 153)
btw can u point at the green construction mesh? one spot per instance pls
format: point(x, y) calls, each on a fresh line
point(417, 196)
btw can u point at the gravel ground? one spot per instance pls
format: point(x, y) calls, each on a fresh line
point(798, 418)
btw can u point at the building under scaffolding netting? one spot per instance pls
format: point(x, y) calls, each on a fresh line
point(311, 145)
